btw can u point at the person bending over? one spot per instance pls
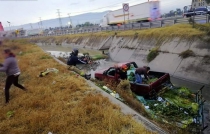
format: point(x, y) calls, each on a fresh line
point(12, 70)
point(141, 71)
point(74, 60)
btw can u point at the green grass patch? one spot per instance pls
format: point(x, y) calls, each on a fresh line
point(45, 57)
point(186, 54)
point(152, 54)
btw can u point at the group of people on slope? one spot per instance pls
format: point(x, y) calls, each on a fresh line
point(10, 67)
point(122, 72)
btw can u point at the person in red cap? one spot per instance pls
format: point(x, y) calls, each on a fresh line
point(122, 71)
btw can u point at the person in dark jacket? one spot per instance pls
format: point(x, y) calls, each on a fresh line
point(73, 59)
point(141, 71)
point(12, 70)
point(122, 71)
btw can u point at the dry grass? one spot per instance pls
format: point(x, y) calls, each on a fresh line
point(203, 27)
point(60, 103)
point(125, 92)
point(182, 31)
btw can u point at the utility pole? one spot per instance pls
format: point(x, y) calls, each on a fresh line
point(70, 20)
point(59, 17)
point(40, 22)
point(9, 25)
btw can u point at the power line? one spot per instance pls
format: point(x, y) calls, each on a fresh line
point(59, 17)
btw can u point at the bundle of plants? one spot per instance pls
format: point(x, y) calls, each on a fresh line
point(151, 80)
point(177, 105)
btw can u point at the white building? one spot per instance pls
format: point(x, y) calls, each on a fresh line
point(199, 3)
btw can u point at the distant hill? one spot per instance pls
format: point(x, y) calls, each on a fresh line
point(78, 19)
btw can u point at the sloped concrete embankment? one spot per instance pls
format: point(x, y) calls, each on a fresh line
point(89, 42)
point(196, 68)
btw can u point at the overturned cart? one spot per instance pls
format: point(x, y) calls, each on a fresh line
point(162, 100)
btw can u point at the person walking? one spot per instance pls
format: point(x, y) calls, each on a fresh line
point(12, 70)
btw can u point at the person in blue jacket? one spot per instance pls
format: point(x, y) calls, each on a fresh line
point(74, 60)
point(142, 71)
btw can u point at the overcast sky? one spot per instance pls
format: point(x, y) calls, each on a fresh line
point(20, 12)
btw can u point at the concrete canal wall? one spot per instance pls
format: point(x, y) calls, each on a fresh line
point(196, 68)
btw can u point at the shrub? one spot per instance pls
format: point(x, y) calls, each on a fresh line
point(152, 54)
point(186, 54)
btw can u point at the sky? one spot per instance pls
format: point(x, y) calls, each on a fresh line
point(20, 12)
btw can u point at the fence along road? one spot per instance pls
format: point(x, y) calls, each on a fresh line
point(201, 19)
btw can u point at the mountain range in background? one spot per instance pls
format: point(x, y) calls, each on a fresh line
point(78, 19)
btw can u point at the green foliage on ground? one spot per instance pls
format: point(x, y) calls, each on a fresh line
point(152, 80)
point(152, 54)
point(178, 107)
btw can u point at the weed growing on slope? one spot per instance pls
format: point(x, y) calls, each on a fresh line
point(152, 54)
point(186, 54)
point(206, 59)
point(58, 103)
